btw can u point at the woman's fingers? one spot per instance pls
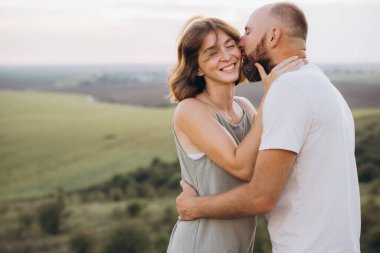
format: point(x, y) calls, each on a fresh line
point(295, 65)
point(290, 64)
point(286, 62)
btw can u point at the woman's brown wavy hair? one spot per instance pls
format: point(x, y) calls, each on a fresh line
point(183, 81)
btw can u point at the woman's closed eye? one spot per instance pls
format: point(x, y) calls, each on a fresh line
point(231, 45)
point(213, 53)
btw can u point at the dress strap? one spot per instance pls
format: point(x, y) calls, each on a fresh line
point(245, 112)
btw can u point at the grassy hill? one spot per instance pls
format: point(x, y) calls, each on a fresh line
point(51, 141)
point(55, 140)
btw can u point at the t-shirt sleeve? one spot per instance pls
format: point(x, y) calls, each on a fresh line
point(287, 117)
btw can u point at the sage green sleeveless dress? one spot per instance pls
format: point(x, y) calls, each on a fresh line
point(212, 235)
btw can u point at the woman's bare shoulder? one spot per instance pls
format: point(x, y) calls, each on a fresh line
point(189, 104)
point(189, 108)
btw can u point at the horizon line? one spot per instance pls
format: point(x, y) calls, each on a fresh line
point(149, 63)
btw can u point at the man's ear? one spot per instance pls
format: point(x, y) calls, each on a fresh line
point(274, 37)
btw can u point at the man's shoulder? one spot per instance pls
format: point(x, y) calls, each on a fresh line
point(307, 71)
point(289, 88)
point(306, 80)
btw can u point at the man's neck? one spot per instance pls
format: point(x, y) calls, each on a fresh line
point(288, 53)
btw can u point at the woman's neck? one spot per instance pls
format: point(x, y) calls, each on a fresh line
point(220, 96)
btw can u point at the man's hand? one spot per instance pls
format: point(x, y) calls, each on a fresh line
point(184, 202)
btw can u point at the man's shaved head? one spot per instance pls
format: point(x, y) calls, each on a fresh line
point(292, 17)
point(272, 31)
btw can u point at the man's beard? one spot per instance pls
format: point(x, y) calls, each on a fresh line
point(259, 55)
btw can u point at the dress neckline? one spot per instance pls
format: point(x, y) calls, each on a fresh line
point(229, 123)
point(232, 124)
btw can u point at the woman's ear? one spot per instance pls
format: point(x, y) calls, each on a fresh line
point(200, 72)
point(274, 37)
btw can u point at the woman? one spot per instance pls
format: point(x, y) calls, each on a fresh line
point(209, 126)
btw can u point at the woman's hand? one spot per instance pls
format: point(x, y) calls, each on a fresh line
point(289, 64)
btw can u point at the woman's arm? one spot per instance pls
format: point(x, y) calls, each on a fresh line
point(200, 125)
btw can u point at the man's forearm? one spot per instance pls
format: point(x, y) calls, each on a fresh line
point(235, 203)
point(258, 196)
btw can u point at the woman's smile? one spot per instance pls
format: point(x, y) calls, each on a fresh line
point(229, 68)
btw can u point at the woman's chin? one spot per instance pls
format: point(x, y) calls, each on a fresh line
point(232, 78)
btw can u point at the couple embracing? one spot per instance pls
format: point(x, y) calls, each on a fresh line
point(291, 159)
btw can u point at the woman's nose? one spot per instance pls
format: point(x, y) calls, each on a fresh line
point(225, 55)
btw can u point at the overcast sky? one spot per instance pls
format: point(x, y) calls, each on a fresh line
point(145, 31)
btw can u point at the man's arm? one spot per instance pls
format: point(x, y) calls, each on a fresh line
point(260, 195)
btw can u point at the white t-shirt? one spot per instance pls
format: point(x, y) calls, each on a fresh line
point(319, 208)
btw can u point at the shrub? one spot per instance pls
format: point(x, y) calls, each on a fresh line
point(82, 243)
point(173, 182)
point(116, 194)
point(170, 215)
point(374, 239)
point(25, 220)
point(157, 179)
point(262, 241)
point(375, 187)
point(145, 190)
point(161, 242)
point(367, 151)
point(370, 226)
point(131, 237)
point(49, 216)
point(134, 208)
point(369, 214)
point(366, 172)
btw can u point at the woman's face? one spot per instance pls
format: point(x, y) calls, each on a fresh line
point(219, 61)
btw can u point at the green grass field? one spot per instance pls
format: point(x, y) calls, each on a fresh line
point(51, 141)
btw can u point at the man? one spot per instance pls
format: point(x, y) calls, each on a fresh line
point(305, 177)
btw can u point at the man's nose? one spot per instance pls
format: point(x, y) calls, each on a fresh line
point(241, 42)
